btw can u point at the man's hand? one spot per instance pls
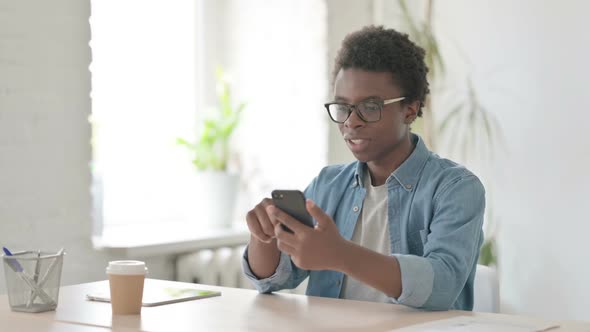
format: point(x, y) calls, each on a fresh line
point(318, 248)
point(263, 254)
point(259, 222)
point(322, 248)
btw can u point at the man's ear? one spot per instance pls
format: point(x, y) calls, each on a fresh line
point(411, 112)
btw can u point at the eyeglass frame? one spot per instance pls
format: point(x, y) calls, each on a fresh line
point(354, 107)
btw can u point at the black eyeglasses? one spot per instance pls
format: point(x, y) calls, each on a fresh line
point(367, 110)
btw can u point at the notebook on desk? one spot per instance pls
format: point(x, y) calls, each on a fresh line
point(154, 296)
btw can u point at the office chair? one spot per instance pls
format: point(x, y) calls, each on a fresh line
point(487, 290)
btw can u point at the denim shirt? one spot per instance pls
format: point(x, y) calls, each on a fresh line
point(435, 215)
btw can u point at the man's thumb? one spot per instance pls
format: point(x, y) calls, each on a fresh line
point(317, 213)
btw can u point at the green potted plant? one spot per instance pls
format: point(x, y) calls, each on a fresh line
point(216, 187)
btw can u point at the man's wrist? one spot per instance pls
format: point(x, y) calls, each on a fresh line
point(342, 262)
point(261, 244)
point(263, 258)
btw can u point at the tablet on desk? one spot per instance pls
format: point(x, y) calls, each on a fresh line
point(154, 296)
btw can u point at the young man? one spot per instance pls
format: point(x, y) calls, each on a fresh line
point(401, 224)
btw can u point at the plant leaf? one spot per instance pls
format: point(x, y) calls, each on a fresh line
point(454, 113)
point(212, 146)
point(414, 32)
point(181, 141)
point(487, 253)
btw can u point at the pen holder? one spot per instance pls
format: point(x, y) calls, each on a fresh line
point(32, 280)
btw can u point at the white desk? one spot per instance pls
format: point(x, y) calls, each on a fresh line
point(237, 310)
point(24, 323)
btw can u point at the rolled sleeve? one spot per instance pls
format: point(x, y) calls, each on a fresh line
point(277, 281)
point(417, 280)
point(287, 275)
point(442, 278)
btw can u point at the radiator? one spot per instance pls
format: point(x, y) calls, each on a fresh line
point(219, 267)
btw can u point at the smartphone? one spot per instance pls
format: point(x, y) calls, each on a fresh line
point(292, 202)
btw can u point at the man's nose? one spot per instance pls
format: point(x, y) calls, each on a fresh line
point(354, 120)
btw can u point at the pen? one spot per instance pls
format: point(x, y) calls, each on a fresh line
point(50, 268)
point(47, 273)
point(14, 264)
point(35, 278)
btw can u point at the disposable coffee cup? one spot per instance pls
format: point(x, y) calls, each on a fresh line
point(126, 284)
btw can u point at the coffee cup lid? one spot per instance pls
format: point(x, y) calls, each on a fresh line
point(127, 267)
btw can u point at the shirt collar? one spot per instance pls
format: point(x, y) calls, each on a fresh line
point(408, 173)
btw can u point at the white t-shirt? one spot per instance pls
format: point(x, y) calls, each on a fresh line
point(372, 232)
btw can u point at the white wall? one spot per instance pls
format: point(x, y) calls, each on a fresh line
point(45, 135)
point(344, 16)
point(529, 62)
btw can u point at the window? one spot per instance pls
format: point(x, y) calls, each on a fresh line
point(143, 96)
point(152, 72)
